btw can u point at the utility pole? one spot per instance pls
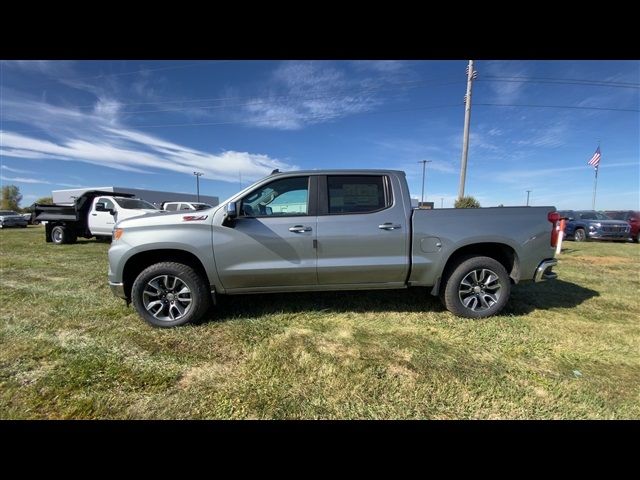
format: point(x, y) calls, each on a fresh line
point(424, 167)
point(471, 75)
point(528, 192)
point(198, 175)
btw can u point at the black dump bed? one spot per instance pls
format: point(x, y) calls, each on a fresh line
point(71, 213)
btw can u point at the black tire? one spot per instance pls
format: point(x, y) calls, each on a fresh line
point(60, 234)
point(23, 226)
point(193, 311)
point(485, 300)
point(636, 239)
point(579, 235)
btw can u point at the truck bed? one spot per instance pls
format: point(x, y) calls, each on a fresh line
point(438, 233)
point(54, 212)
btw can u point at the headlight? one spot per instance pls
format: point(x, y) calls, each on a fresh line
point(595, 225)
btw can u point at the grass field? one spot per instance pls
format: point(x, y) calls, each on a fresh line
point(563, 349)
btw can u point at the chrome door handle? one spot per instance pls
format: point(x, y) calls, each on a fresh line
point(94, 214)
point(299, 229)
point(389, 226)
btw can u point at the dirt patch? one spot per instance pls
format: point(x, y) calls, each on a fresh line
point(605, 261)
point(397, 370)
point(206, 373)
point(336, 349)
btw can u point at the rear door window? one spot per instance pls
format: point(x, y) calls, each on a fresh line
point(357, 194)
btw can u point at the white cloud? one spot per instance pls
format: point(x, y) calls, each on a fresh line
point(22, 180)
point(98, 137)
point(505, 91)
point(305, 93)
point(14, 170)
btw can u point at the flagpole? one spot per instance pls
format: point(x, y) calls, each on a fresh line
point(595, 185)
point(595, 181)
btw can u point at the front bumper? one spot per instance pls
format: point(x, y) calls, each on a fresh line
point(118, 289)
point(544, 270)
point(598, 235)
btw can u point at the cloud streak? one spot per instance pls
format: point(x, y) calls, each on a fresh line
point(98, 137)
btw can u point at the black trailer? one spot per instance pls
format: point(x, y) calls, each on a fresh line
point(65, 223)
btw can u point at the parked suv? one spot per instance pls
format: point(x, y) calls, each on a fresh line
point(588, 224)
point(9, 218)
point(175, 206)
point(632, 217)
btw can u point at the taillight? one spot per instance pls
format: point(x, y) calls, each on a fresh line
point(554, 218)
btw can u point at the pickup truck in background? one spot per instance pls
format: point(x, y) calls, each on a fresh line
point(94, 214)
point(328, 230)
point(583, 225)
point(632, 217)
point(175, 206)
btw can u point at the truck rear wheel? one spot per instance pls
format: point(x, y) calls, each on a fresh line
point(61, 234)
point(170, 294)
point(478, 287)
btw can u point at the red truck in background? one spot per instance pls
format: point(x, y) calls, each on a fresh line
point(630, 216)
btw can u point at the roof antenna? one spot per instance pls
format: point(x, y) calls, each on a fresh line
point(275, 171)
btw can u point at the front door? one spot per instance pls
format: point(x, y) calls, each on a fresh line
point(101, 223)
point(271, 243)
point(363, 234)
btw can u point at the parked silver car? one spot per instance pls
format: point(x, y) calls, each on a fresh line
point(9, 218)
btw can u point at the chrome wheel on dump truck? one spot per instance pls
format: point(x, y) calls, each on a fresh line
point(477, 287)
point(170, 294)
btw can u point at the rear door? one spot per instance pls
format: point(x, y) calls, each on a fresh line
point(362, 230)
point(271, 243)
point(101, 223)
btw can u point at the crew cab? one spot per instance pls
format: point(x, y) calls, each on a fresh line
point(94, 214)
point(328, 230)
point(585, 225)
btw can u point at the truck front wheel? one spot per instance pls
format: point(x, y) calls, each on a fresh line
point(61, 234)
point(478, 287)
point(170, 294)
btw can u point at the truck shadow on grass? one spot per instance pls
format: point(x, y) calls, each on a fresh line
point(525, 299)
point(528, 297)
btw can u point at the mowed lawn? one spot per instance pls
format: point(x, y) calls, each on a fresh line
point(563, 349)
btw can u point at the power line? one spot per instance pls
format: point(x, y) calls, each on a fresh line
point(556, 106)
point(93, 77)
point(548, 82)
point(407, 84)
point(287, 98)
point(569, 81)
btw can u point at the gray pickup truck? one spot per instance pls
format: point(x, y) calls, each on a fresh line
point(328, 230)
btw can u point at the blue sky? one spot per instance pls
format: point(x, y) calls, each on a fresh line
point(150, 124)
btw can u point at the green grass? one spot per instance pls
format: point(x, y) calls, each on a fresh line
point(563, 349)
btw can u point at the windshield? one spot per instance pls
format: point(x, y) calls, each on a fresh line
point(593, 216)
point(134, 204)
point(7, 212)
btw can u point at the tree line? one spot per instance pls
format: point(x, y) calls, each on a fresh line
point(11, 198)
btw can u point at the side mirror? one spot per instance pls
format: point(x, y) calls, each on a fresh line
point(100, 207)
point(232, 210)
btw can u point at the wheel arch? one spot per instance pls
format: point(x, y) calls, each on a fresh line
point(501, 252)
point(138, 262)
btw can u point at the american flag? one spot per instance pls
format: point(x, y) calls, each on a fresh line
point(595, 160)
